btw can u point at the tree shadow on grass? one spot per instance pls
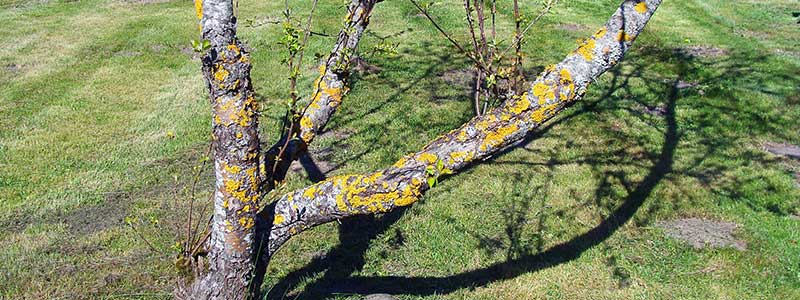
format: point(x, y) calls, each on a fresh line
point(348, 257)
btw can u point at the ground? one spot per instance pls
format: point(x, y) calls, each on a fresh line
point(105, 127)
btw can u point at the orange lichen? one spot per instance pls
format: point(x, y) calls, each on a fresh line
point(496, 137)
point(586, 49)
point(641, 7)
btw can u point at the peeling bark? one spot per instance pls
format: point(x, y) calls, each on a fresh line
point(404, 183)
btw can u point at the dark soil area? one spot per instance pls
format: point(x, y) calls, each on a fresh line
point(703, 233)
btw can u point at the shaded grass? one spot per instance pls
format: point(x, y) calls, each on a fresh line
point(568, 214)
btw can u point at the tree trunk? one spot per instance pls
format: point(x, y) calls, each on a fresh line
point(235, 246)
point(226, 69)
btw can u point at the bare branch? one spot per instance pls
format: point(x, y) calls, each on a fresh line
point(329, 89)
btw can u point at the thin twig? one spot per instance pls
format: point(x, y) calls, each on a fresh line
point(547, 6)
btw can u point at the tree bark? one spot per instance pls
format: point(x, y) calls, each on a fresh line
point(226, 69)
point(238, 167)
point(404, 183)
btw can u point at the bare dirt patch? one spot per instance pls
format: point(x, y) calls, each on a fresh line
point(90, 219)
point(13, 68)
point(459, 77)
point(782, 149)
point(702, 51)
point(362, 67)
point(188, 51)
point(703, 233)
point(656, 110)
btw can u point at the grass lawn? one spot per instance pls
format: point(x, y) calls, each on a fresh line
point(104, 124)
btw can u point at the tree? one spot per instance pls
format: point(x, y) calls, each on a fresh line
point(245, 233)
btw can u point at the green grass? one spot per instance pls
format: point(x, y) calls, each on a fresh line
point(89, 91)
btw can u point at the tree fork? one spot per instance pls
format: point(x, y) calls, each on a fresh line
point(404, 183)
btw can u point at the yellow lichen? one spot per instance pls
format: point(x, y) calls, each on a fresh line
point(400, 162)
point(234, 48)
point(586, 49)
point(309, 192)
point(427, 158)
point(278, 219)
point(543, 92)
point(232, 169)
point(623, 36)
point(641, 7)
point(246, 222)
point(462, 156)
point(305, 122)
point(221, 73)
point(565, 80)
point(520, 105)
point(542, 113)
point(198, 9)
point(600, 33)
point(228, 226)
point(496, 137)
point(462, 136)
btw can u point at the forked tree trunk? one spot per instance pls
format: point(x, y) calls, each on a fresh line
point(239, 175)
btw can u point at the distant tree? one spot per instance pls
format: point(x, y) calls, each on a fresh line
point(246, 231)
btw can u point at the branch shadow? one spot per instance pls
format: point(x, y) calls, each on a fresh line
point(338, 265)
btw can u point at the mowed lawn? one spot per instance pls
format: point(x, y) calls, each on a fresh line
point(104, 128)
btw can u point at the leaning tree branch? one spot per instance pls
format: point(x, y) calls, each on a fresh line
point(405, 182)
point(328, 91)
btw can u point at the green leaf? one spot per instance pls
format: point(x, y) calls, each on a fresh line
point(430, 170)
point(431, 181)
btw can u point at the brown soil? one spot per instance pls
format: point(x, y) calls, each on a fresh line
point(90, 219)
point(363, 67)
point(703, 233)
point(702, 51)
